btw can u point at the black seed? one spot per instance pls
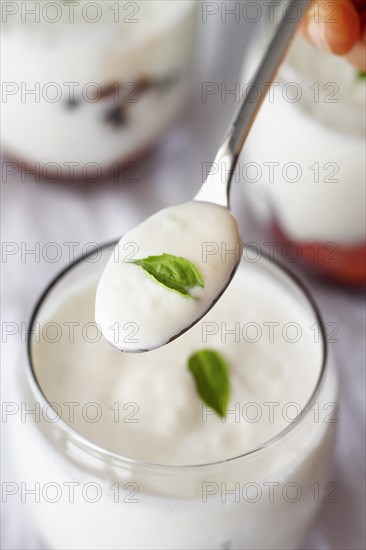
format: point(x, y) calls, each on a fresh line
point(72, 103)
point(116, 116)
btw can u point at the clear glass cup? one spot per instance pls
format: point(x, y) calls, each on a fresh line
point(305, 157)
point(89, 86)
point(89, 497)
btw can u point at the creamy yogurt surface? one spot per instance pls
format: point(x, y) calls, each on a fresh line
point(160, 416)
point(134, 311)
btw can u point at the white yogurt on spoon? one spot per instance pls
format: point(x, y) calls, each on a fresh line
point(133, 309)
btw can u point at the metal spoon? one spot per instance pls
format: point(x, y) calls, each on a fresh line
point(214, 191)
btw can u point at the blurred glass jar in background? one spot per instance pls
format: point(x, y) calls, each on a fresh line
point(305, 160)
point(92, 82)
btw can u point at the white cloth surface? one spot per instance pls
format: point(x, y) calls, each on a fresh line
point(171, 172)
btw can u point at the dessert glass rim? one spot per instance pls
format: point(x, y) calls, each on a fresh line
point(118, 459)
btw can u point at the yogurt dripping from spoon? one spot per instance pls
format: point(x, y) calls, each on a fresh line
point(165, 274)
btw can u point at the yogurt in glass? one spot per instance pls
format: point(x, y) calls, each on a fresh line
point(147, 463)
point(92, 84)
point(308, 148)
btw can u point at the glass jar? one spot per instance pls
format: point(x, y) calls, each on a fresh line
point(305, 158)
point(88, 86)
point(82, 495)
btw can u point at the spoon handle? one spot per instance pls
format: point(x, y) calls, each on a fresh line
point(215, 189)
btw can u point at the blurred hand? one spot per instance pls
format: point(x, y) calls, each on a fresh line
point(338, 27)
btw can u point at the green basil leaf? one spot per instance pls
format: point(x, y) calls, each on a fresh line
point(361, 75)
point(173, 272)
point(211, 376)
